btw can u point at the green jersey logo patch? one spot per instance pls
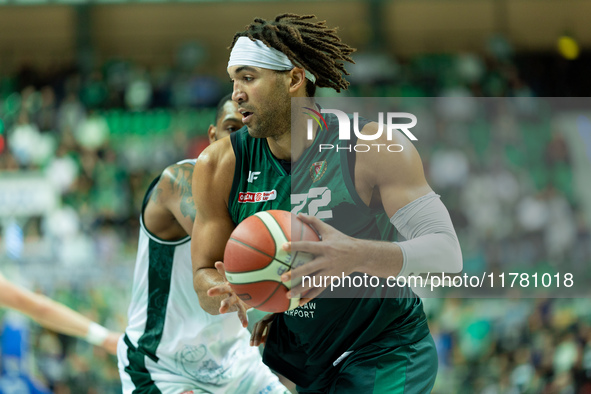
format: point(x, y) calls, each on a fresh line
point(317, 170)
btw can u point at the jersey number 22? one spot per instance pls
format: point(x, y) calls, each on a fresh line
point(315, 199)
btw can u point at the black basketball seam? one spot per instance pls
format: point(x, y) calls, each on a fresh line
point(293, 257)
point(284, 236)
point(259, 251)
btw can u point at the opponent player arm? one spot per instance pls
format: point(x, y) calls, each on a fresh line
point(56, 316)
point(170, 212)
point(212, 181)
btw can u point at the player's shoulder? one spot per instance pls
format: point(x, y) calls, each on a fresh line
point(173, 189)
point(217, 157)
point(173, 183)
point(183, 165)
point(178, 173)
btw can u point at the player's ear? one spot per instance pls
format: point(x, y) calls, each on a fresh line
point(298, 79)
point(211, 133)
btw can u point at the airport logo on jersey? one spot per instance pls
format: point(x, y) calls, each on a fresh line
point(317, 170)
point(345, 130)
point(246, 197)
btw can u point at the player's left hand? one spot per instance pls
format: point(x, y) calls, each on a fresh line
point(336, 255)
point(232, 303)
point(261, 330)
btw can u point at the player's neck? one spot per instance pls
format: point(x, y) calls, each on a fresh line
point(280, 146)
point(300, 140)
point(290, 146)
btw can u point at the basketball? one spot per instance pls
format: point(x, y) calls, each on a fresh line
point(254, 259)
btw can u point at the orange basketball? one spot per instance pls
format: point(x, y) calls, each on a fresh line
point(254, 259)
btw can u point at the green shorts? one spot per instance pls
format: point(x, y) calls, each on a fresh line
point(407, 369)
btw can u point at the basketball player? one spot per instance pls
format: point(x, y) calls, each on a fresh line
point(55, 316)
point(171, 345)
point(355, 345)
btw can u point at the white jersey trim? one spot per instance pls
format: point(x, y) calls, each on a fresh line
point(145, 229)
point(159, 240)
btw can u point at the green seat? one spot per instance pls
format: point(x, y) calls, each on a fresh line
point(562, 178)
point(479, 137)
point(514, 156)
point(125, 123)
point(162, 120)
point(539, 176)
point(536, 136)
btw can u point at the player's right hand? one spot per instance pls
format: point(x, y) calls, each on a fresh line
point(232, 303)
point(261, 330)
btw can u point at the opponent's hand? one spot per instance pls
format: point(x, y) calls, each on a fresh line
point(261, 330)
point(110, 343)
point(336, 255)
point(232, 303)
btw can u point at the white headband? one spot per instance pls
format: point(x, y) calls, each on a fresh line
point(255, 53)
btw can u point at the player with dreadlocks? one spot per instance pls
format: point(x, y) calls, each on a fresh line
point(336, 345)
point(297, 39)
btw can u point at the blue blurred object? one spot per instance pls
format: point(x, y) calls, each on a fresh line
point(585, 132)
point(14, 376)
point(14, 240)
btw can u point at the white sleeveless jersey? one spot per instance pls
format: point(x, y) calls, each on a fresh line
point(171, 342)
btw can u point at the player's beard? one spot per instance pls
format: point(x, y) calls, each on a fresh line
point(273, 118)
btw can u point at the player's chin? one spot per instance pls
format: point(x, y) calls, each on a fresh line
point(255, 132)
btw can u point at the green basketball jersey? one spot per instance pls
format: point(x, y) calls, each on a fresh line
point(307, 344)
point(260, 183)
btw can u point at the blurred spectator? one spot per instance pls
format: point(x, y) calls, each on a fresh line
point(138, 93)
point(70, 114)
point(62, 169)
point(92, 132)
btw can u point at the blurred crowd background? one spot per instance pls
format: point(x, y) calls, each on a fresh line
point(96, 99)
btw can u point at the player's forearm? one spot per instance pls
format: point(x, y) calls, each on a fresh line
point(203, 280)
point(43, 310)
point(433, 253)
point(58, 317)
point(378, 258)
point(432, 244)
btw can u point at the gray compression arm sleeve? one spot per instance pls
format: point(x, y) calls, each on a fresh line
point(432, 244)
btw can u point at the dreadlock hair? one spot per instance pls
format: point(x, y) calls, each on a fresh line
point(310, 45)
